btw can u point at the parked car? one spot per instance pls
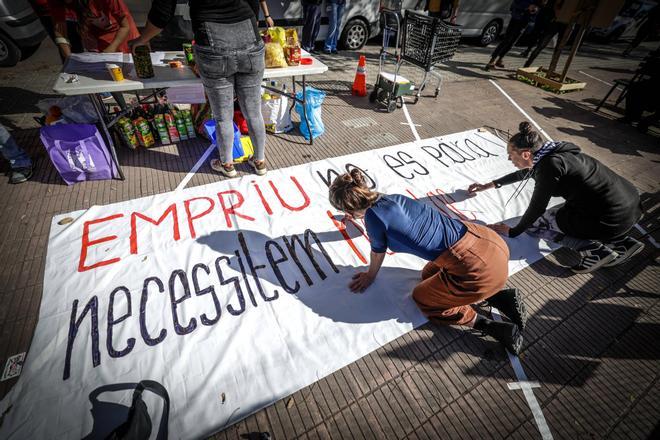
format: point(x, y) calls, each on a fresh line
point(21, 32)
point(481, 19)
point(627, 22)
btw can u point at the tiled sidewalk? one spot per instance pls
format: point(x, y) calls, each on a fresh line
point(592, 340)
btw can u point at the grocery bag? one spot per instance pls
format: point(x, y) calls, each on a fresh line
point(276, 114)
point(241, 149)
point(78, 152)
point(314, 99)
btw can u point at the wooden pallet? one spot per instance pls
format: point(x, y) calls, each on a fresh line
point(534, 74)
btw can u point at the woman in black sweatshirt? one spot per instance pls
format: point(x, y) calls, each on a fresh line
point(600, 209)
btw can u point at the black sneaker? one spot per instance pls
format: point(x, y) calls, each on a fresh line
point(506, 333)
point(626, 249)
point(593, 257)
point(510, 303)
point(20, 175)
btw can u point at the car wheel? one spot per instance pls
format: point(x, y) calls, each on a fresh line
point(490, 33)
point(10, 54)
point(355, 34)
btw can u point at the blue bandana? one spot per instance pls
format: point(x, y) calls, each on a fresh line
point(546, 149)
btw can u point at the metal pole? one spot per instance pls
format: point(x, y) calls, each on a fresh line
point(304, 106)
point(111, 146)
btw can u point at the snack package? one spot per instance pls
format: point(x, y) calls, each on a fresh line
point(144, 135)
point(292, 37)
point(190, 127)
point(181, 126)
point(171, 128)
point(277, 35)
point(274, 54)
point(292, 54)
point(161, 128)
point(127, 132)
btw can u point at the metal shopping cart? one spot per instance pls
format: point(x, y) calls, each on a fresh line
point(424, 42)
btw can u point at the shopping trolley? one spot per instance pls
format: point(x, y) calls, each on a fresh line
point(422, 41)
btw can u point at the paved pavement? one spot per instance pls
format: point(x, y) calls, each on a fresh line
point(592, 341)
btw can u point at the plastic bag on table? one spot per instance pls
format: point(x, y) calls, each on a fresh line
point(276, 114)
point(277, 35)
point(314, 99)
point(274, 55)
point(75, 109)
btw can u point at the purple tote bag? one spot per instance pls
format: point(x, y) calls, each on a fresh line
point(78, 152)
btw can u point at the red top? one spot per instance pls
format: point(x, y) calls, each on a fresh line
point(99, 21)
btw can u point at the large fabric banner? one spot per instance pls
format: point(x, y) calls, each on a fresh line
point(233, 295)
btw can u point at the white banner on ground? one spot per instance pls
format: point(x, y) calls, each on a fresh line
point(233, 295)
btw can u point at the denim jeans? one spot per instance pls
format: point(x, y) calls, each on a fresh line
point(12, 152)
point(311, 26)
point(335, 13)
point(232, 60)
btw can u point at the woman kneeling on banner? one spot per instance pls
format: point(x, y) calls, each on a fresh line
point(467, 263)
point(600, 209)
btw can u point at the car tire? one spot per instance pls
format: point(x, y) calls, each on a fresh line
point(490, 33)
point(355, 34)
point(10, 54)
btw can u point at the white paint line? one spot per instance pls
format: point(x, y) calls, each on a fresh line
point(598, 79)
point(406, 123)
point(538, 127)
point(410, 123)
point(527, 388)
point(651, 239)
point(194, 169)
point(523, 385)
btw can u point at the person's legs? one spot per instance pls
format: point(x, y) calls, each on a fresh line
point(248, 88)
point(593, 253)
point(309, 17)
point(19, 161)
point(542, 43)
point(335, 14)
point(472, 270)
point(317, 25)
point(511, 35)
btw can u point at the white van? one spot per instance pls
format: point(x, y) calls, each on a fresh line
point(482, 19)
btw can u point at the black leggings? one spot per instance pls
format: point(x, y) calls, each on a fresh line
point(512, 33)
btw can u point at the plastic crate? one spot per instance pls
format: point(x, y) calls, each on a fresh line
point(428, 41)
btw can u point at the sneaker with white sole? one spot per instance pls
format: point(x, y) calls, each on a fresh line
point(258, 165)
point(226, 169)
point(626, 248)
point(593, 257)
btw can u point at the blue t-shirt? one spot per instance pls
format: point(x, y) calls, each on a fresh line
point(404, 225)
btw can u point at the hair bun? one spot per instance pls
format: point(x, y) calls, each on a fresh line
point(358, 177)
point(525, 127)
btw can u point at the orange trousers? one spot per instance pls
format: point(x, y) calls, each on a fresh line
point(476, 267)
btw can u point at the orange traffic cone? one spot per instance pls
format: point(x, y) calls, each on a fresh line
point(360, 82)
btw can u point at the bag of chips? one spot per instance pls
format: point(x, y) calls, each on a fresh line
point(274, 54)
point(277, 35)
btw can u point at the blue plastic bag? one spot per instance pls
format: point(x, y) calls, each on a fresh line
point(314, 99)
point(237, 152)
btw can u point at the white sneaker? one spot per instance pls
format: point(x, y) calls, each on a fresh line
point(258, 165)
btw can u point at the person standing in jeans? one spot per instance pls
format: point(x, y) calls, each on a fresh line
point(19, 161)
point(312, 23)
point(521, 13)
point(229, 56)
point(335, 14)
